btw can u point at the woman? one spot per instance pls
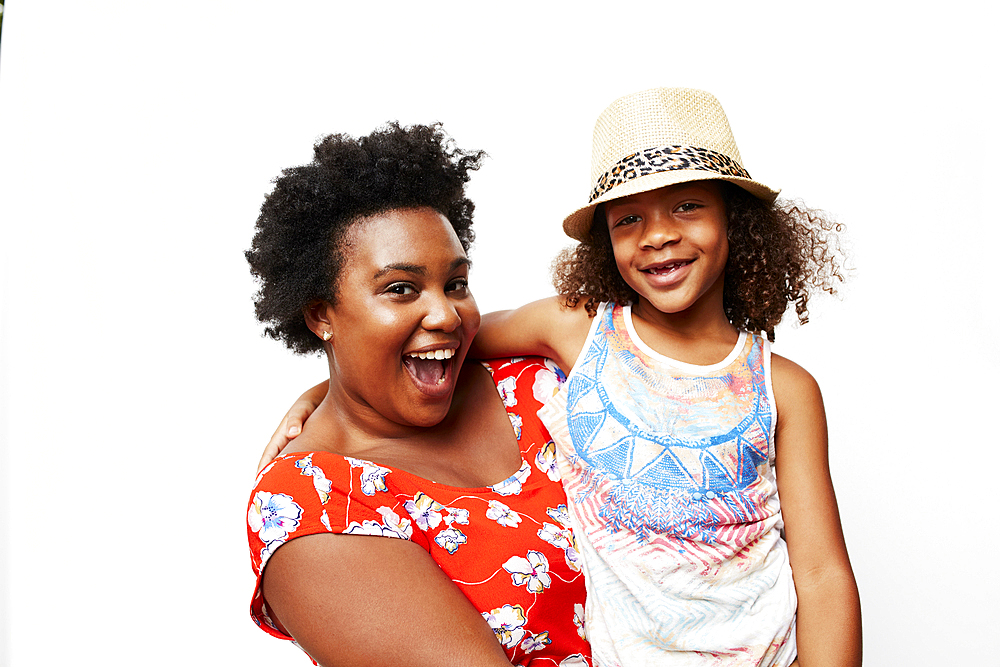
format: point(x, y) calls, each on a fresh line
point(408, 523)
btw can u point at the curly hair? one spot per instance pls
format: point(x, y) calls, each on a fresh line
point(779, 254)
point(298, 251)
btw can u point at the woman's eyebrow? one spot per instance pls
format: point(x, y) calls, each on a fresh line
point(407, 268)
point(418, 269)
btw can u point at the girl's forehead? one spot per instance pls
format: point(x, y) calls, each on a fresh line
point(710, 187)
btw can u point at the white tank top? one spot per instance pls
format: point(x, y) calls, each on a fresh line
point(668, 468)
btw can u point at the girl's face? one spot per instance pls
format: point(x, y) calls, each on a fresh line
point(670, 245)
point(402, 293)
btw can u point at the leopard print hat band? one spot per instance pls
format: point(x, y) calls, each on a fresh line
point(656, 138)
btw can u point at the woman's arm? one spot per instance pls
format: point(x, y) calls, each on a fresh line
point(546, 328)
point(368, 600)
point(829, 608)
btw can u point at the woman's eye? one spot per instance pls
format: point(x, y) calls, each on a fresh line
point(401, 289)
point(458, 285)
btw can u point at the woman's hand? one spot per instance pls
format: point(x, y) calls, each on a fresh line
point(291, 424)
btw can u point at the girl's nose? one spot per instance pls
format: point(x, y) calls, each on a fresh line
point(441, 315)
point(658, 231)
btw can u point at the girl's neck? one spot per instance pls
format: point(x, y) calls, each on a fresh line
point(700, 336)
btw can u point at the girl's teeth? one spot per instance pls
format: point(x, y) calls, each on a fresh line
point(668, 268)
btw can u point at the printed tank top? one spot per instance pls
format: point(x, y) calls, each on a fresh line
point(668, 469)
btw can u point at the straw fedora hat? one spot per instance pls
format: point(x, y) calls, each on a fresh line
point(656, 138)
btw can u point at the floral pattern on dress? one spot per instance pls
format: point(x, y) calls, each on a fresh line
point(507, 623)
point(512, 485)
point(531, 572)
point(515, 422)
point(425, 511)
point(456, 515)
point(322, 485)
point(545, 460)
point(547, 383)
point(506, 388)
point(451, 539)
point(500, 544)
point(390, 526)
point(536, 642)
point(273, 516)
point(503, 515)
point(561, 536)
point(372, 476)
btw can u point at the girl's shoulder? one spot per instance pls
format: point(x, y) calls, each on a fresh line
point(795, 389)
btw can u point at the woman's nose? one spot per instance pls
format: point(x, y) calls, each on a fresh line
point(441, 314)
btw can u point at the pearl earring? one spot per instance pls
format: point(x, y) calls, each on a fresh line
point(327, 335)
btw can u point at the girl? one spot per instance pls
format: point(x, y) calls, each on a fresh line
point(676, 425)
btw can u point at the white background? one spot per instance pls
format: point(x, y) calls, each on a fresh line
point(137, 142)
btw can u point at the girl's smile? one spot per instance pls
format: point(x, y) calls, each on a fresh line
point(670, 245)
point(668, 273)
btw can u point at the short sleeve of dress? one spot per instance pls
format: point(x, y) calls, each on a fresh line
point(526, 384)
point(308, 493)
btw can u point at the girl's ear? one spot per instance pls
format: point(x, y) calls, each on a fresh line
point(318, 319)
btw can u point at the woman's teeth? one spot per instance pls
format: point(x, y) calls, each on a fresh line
point(433, 354)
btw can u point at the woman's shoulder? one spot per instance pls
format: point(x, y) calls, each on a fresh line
point(535, 378)
point(289, 466)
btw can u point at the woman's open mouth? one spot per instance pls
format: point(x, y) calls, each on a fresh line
point(431, 370)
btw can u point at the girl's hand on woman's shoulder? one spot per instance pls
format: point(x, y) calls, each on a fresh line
point(292, 423)
point(829, 609)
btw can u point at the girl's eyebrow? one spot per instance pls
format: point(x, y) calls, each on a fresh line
point(418, 269)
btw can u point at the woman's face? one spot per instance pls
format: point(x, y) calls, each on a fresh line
point(402, 294)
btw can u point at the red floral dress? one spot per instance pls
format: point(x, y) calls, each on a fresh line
point(509, 546)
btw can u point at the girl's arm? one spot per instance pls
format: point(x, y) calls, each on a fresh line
point(367, 600)
point(829, 608)
point(291, 423)
point(547, 328)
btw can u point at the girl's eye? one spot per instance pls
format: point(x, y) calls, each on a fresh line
point(687, 207)
point(627, 220)
point(403, 289)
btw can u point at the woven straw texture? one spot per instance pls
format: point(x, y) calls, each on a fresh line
point(652, 119)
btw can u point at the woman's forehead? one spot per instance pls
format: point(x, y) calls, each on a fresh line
point(416, 240)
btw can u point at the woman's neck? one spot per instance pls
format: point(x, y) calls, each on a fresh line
point(472, 446)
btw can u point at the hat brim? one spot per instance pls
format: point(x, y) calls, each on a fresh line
point(577, 224)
